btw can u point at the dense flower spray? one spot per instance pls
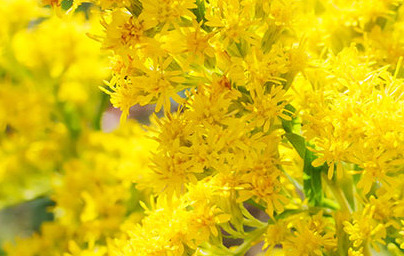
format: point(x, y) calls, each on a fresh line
point(278, 122)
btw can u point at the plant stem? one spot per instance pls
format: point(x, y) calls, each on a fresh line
point(341, 215)
point(366, 250)
point(100, 110)
point(339, 196)
point(243, 248)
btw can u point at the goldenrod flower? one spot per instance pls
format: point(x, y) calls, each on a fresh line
point(288, 126)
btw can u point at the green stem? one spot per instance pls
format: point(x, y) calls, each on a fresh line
point(366, 249)
point(244, 247)
point(100, 111)
point(339, 196)
point(343, 214)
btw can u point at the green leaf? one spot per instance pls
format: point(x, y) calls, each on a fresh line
point(238, 49)
point(136, 7)
point(293, 125)
point(287, 213)
point(270, 37)
point(298, 142)
point(312, 186)
point(200, 10)
point(210, 62)
point(66, 4)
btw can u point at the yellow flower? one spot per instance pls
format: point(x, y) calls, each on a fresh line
point(313, 235)
point(74, 250)
point(171, 224)
point(126, 34)
point(260, 67)
point(353, 252)
point(262, 182)
point(151, 81)
point(189, 45)
point(275, 235)
point(233, 20)
point(265, 108)
point(167, 11)
point(364, 228)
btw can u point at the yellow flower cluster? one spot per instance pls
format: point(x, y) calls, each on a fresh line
point(93, 196)
point(280, 122)
point(50, 141)
point(46, 75)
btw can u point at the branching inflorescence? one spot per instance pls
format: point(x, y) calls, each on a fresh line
point(281, 122)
